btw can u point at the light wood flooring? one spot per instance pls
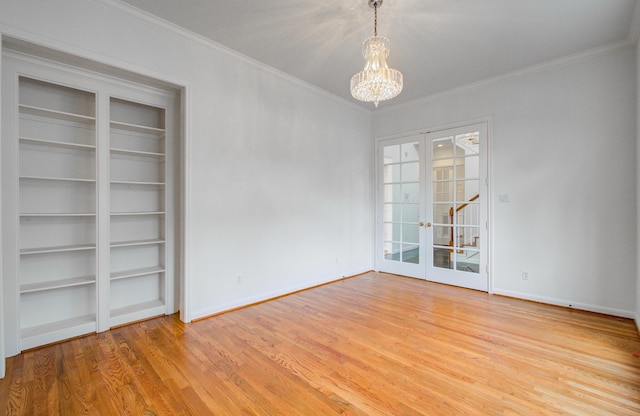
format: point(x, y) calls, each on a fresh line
point(375, 344)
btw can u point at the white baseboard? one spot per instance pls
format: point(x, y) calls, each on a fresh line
point(569, 304)
point(238, 303)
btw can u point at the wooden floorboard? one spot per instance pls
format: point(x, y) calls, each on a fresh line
point(375, 344)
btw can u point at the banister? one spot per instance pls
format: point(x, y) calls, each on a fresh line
point(463, 206)
point(451, 214)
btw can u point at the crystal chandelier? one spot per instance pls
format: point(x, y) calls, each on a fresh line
point(376, 82)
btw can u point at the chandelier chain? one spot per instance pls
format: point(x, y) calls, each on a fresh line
point(375, 19)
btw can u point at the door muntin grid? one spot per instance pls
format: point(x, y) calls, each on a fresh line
point(401, 202)
point(456, 202)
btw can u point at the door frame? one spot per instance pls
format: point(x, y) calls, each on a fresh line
point(378, 215)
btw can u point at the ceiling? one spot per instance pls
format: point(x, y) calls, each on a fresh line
point(437, 44)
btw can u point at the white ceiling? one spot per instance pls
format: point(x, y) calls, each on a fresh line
point(436, 44)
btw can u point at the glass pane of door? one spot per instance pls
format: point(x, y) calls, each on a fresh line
point(402, 189)
point(455, 205)
point(401, 199)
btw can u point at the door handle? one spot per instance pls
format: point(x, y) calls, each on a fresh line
point(428, 225)
point(422, 224)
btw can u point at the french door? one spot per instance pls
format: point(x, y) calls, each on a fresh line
point(432, 206)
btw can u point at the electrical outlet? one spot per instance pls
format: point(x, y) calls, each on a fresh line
point(525, 275)
point(238, 280)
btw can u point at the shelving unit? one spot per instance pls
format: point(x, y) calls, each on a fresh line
point(88, 209)
point(57, 211)
point(138, 193)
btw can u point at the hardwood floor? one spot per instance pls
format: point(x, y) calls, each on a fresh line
point(371, 345)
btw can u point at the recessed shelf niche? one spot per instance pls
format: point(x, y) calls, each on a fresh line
point(91, 202)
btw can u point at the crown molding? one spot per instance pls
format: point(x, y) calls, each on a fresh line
point(174, 29)
point(554, 63)
point(29, 43)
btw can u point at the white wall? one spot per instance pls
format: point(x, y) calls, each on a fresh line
point(562, 147)
point(2, 353)
point(638, 185)
point(279, 176)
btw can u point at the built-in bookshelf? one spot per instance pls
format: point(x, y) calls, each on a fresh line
point(90, 243)
point(57, 211)
point(137, 211)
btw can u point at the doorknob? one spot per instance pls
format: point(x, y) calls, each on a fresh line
point(421, 224)
point(428, 225)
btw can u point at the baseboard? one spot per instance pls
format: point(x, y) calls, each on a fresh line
point(569, 304)
point(264, 297)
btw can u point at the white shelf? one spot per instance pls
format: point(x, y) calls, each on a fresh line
point(56, 249)
point(137, 272)
point(58, 144)
point(145, 306)
point(137, 153)
point(56, 214)
point(136, 214)
point(57, 331)
point(136, 243)
point(137, 183)
point(136, 312)
point(49, 113)
point(450, 180)
point(57, 284)
point(54, 179)
point(136, 128)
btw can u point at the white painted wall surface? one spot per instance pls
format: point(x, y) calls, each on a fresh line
point(638, 185)
point(562, 147)
point(279, 173)
point(2, 351)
